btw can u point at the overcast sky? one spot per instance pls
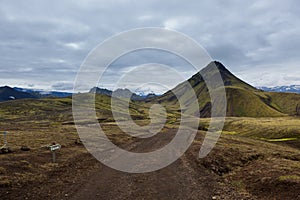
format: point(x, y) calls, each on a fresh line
point(43, 43)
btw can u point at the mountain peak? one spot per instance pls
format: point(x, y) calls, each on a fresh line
point(229, 79)
point(220, 66)
point(213, 65)
point(6, 87)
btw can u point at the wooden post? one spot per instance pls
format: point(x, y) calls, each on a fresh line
point(5, 140)
point(53, 157)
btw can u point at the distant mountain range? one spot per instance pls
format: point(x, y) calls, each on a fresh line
point(8, 93)
point(123, 93)
point(43, 93)
point(291, 88)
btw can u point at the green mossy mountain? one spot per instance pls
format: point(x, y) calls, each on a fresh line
point(243, 100)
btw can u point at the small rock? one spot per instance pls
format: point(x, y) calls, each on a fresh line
point(78, 142)
point(25, 148)
point(265, 179)
point(5, 150)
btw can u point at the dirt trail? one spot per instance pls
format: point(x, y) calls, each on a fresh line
point(82, 177)
point(177, 181)
point(183, 179)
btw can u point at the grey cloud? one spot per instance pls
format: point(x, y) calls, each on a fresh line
point(63, 86)
point(52, 39)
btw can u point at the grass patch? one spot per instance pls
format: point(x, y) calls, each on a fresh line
point(229, 132)
point(289, 178)
point(267, 129)
point(280, 139)
point(5, 182)
point(238, 184)
point(2, 170)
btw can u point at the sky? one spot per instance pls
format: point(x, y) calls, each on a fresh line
point(43, 43)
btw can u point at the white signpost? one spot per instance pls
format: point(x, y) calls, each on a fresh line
point(4, 139)
point(53, 148)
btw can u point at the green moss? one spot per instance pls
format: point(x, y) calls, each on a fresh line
point(289, 178)
point(238, 184)
point(229, 132)
point(281, 139)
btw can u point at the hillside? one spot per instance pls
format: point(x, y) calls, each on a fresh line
point(243, 100)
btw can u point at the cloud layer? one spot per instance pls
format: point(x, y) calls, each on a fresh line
point(43, 43)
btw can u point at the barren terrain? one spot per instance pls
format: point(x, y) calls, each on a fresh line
point(240, 166)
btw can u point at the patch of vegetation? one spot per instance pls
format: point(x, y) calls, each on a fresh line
point(2, 170)
point(281, 139)
point(239, 184)
point(291, 178)
point(5, 182)
point(279, 129)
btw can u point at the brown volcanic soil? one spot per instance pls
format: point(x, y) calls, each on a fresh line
point(184, 179)
point(80, 176)
point(237, 168)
